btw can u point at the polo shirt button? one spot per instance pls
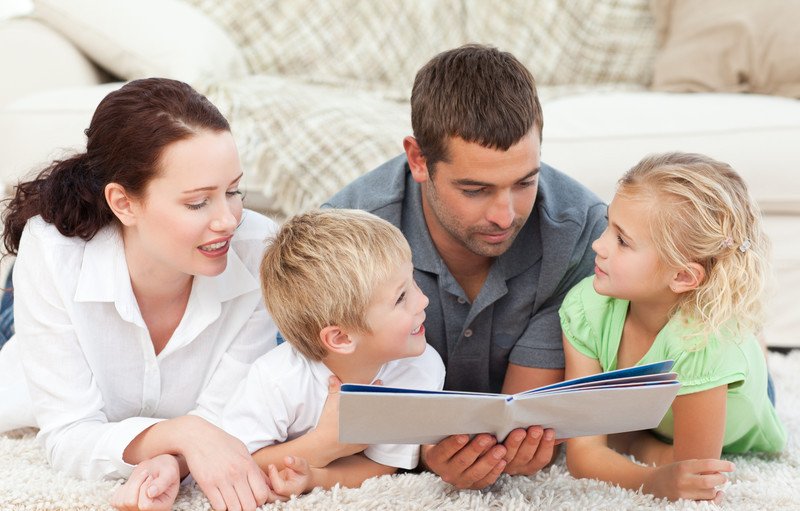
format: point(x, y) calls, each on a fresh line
point(461, 300)
point(467, 333)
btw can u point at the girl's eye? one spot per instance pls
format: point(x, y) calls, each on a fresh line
point(401, 298)
point(197, 205)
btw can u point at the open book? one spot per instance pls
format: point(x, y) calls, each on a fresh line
point(628, 399)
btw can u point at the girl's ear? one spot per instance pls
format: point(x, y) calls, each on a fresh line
point(687, 279)
point(337, 340)
point(123, 207)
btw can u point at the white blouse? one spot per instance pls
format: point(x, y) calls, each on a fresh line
point(92, 374)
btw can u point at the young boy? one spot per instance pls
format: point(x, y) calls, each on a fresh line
point(339, 284)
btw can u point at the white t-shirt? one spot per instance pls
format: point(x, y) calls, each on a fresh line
point(93, 379)
point(284, 393)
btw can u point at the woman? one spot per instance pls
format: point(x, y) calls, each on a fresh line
point(138, 307)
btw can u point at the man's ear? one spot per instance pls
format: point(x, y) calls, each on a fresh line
point(337, 340)
point(687, 279)
point(416, 160)
point(123, 207)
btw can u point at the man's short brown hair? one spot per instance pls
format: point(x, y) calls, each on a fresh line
point(474, 92)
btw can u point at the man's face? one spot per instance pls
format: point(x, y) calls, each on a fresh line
point(480, 198)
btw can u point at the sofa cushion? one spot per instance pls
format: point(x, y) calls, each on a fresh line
point(577, 42)
point(167, 38)
point(596, 137)
point(58, 62)
point(369, 44)
point(728, 46)
point(41, 127)
point(301, 143)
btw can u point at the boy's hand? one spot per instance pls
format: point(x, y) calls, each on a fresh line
point(152, 486)
point(294, 479)
point(327, 429)
point(689, 479)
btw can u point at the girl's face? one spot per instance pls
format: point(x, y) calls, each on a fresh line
point(187, 218)
point(627, 265)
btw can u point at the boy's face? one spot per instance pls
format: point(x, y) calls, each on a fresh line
point(395, 316)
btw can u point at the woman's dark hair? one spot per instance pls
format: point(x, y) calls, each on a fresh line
point(129, 131)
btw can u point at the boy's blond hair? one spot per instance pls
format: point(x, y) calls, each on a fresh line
point(322, 269)
point(701, 212)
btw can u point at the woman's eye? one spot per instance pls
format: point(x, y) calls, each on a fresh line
point(197, 205)
point(234, 193)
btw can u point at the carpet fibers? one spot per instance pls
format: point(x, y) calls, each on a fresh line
point(759, 483)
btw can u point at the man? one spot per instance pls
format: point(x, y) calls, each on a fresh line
point(498, 238)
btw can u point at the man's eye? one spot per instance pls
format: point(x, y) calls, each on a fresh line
point(472, 193)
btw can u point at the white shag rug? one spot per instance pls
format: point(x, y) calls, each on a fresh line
point(760, 482)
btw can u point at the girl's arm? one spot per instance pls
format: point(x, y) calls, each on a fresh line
point(699, 430)
point(591, 457)
point(348, 472)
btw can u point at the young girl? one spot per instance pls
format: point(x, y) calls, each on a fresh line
point(137, 302)
point(680, 274)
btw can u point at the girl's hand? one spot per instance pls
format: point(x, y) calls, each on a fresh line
point(326, 433)
point(294, 479)
point(152, 486)
point(689, 479)
point(223, 468)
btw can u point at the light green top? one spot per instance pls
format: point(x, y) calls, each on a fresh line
point(593, 323)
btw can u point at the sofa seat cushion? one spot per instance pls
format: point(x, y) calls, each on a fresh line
point(595, 137)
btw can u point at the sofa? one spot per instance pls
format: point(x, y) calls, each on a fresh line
point(317, 92)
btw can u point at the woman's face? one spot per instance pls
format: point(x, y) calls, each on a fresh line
point(187, 217)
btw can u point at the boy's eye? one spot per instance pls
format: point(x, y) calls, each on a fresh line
point(401, 298)
point(621, 241)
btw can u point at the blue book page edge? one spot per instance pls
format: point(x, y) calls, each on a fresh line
point(654, 368)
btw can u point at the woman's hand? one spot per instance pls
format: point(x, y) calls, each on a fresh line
point(223, 468)
point(689, 479)
point(152, 486)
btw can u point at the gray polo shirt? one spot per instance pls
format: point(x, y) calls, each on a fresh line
point(514, 318)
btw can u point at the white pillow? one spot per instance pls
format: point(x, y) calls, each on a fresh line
point(144, 38)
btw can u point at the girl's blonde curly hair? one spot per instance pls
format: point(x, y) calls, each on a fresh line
point(701, 212)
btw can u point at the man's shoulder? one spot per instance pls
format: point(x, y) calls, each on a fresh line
point(378, 191)
point(564, 199)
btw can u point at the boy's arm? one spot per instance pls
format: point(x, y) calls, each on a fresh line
point(320, 446)
point(348, 472)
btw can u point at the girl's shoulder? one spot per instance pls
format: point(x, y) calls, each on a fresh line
point(586, 315)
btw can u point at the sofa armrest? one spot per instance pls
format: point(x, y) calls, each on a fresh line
point(40, 59)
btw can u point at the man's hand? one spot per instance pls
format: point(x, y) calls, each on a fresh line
point(527, 452)
point(466, 464)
